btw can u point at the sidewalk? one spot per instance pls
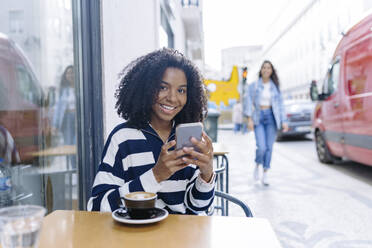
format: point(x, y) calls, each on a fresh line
point(309, 204)
point(241, 150)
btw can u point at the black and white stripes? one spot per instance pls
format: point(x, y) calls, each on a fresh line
point(128, 158)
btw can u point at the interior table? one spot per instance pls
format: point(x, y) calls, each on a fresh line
point(66, 151)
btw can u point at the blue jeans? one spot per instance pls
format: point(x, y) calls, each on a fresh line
point(69, 135)
point(265, 133)
point(237, 127)
point(245, 128)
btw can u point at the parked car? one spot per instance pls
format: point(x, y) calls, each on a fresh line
point(299, 114)
point(343, 114)
point(22, 100)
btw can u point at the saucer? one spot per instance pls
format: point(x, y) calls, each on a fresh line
point(158, 215)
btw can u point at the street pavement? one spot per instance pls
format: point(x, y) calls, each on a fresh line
point(309, 204)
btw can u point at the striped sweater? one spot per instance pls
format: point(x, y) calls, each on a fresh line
point(126, 166)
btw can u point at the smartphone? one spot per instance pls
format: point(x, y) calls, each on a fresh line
point(184, 132)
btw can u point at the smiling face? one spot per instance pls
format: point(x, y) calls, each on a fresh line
point(171, 98)
point(266, 71)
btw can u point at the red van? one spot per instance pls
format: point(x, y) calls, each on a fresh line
point(343, 116)
point(22, 100)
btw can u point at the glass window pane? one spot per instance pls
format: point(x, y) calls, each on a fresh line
point(37, 104)
point(334, 77)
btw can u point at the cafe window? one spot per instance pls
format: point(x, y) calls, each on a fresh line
point(35, 67)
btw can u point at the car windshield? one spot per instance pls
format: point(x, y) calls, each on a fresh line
point(297, 106)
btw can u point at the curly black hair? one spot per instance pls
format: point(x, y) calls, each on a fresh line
point(140, 84)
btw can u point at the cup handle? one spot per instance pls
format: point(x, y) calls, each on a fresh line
point(122, 211)
point(122, 208)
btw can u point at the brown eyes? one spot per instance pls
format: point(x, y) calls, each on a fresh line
point(180, 90)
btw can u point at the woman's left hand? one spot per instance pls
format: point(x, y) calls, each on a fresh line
point(204, 158)
point(285, 127)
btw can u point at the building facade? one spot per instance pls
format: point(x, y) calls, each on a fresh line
point(242, 56)
point(134, 28)
point(301, 41)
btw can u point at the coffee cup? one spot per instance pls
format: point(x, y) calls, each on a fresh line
point(140, 205)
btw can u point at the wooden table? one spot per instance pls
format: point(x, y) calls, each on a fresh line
point(94, 229)
point(55, 151)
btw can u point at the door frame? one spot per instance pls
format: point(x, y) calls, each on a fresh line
point(89, 100)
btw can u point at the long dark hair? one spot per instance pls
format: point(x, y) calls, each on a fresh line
point(140, 84)
point(274, 76)
point(64, 82)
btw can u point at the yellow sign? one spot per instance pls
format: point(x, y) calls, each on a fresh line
point(224, 90)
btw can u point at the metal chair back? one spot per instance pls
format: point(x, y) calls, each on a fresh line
point(227, 197)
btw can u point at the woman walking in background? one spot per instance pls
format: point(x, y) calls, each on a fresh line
point(64, 115)
point(64, 118)
point(263, 107)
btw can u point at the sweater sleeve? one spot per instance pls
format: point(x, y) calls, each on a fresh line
point(199, 194)
point(111, 181)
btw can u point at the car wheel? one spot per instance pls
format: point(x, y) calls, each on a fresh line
point(324, 155)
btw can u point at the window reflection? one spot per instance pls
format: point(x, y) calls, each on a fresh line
point(27, 87)
point(37, 102)
point(16, 21)
point(63, 123)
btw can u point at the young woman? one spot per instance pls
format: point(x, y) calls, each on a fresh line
point(265, 113)
point(157, 92)
point(64, 115)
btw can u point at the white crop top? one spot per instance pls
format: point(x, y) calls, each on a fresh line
point(266, 95)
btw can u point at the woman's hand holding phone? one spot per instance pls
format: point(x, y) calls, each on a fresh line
point(202, 158)
point(171, 161)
